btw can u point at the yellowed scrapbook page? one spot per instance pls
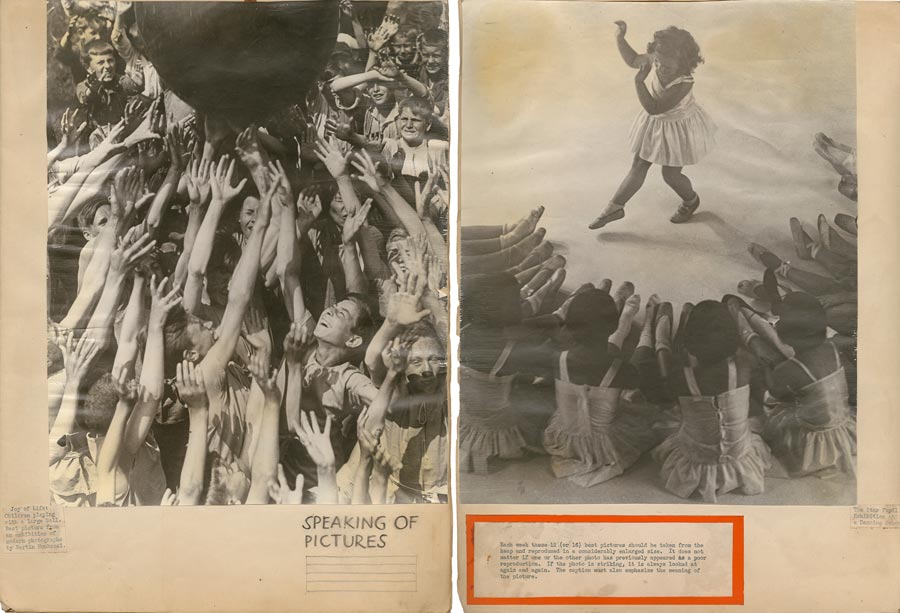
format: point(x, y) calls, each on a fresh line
point(241, 292)
point(678, 354)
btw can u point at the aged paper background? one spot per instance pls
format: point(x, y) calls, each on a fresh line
point(147, 558)
point(796, 558)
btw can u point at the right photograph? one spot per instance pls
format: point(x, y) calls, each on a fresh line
point(658, 247)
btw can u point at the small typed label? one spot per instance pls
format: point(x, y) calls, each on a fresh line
point(33, 528)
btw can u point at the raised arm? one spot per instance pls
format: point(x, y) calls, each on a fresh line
point(356, 280)
point(318, 444)
point(264, 463)
point(365, 166)
point(198, 186)
point(403, 309)
point(94, 277)
point(132, 247)
point(109, 483)
point(192, 391)
point(295, 344)
point(151, 370)
point(78, 358)
point(670, 97)
point(72, 127)
point(289, 260)
point(179, 149)
point(372, 419)
point(631, 57)
point(336, 164)
point(222, 193)
point(240, 293)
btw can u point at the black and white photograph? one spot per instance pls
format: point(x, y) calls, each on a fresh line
point(658, 292)
point(247, 288)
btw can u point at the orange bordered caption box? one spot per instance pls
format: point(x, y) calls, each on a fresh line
point(604, 559)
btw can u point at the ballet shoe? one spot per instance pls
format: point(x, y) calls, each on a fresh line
point(611, 213)
point(764, 256)
point(847, 223)
point(802, 240)
point(753, 289)
point(836, 240)
point(686, 210)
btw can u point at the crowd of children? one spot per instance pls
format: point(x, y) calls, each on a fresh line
point(711, 397)
point(257, 315)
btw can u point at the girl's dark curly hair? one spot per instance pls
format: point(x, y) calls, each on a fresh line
point(678, 43)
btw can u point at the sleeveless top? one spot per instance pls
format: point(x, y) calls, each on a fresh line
point(716, 425)
point(714, 451)
point(586, 406)
point(488, 425)
point(816, 430)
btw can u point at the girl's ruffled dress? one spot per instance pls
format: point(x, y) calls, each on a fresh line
point(597, 432)
point(714, 451)
point(816, 431)
point(679, 137)
point(488, 426)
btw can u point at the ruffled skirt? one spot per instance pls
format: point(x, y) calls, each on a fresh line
point(679, 140)
point(808, 450)
point(601, 453)
point(684, 473)
point(485, 437)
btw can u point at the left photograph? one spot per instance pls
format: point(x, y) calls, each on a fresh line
point(247, 260)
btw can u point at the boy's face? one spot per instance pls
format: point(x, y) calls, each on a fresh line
point(404, 49)
point(101, 217)
point(397, 252)
point(86, 31)
point(434, 59)
point(338, 210)
point(381, 94)
point(335, 325)
point(103, 67)
point(202, 337)
point(412, 127)
point(424, 365)
point(248, 215)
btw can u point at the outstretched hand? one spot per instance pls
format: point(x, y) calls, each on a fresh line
point(354, 222)
point(222, 189)
point(281, 491)
point(368, 171)
point(72, 125)
point(79, 356)
point(384, 32)
point(161, 302)
point(295, 343)
point(335, 161)
point(190, 385)
point(316, 441)
point(403, 305)
point(395, 355)
point(134, 246)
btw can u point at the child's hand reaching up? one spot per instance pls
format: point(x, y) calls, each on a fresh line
point(282, 493)
point(317, 442)
point(190, 385)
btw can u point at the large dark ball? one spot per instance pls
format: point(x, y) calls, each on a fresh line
point(238, 60)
